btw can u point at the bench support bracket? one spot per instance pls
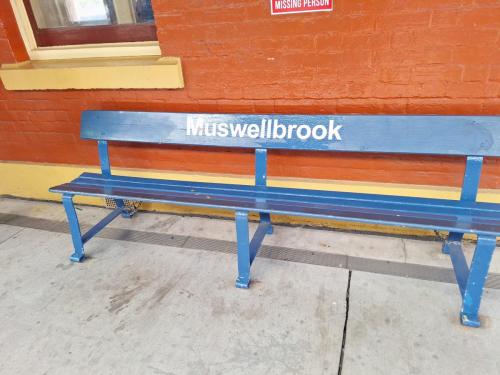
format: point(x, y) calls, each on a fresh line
point(471, 280)
point(247, 250)
point(261, 180)
point(74, 226)
point(126, 212)
point(102, 148)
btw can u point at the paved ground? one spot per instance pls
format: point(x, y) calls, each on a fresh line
point(157, 297)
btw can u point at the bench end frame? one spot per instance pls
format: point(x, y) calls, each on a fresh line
point(471, 281)
point(470, 188)
point(247, 250)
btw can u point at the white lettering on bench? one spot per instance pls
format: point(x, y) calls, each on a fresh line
point(269, 128)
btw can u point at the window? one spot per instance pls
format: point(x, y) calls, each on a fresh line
point(70, 22)
point(88, 45)
point(65, 29)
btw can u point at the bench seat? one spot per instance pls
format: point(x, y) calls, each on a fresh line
point(434, 214)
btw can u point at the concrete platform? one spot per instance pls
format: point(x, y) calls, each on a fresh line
point(155, 310)
point(157, 296)
point(404, 326)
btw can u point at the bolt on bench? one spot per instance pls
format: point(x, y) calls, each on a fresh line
point(473, 137)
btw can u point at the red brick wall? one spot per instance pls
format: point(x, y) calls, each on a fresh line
point(368, 56)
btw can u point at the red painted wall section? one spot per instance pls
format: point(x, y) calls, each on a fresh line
point(367, 56)
point(11, 45)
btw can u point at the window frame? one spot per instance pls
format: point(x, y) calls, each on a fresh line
point(71, 51)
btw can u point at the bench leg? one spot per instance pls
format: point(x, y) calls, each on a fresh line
point(248, 249)
point(452, 237)
point(266, 219)
point(126, 211)
point(243, 280)
point(471, 281)
point(74, 227)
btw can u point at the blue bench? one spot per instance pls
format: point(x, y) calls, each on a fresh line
point(473, 137)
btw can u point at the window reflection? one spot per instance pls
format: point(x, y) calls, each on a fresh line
point(67, 13)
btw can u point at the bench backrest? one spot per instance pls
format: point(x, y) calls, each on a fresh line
point(439, 135)
point(471, 136)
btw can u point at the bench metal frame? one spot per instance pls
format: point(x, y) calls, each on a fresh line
point(121, 209)
point(470, 279)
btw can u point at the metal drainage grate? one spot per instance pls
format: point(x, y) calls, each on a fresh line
point(132, 205)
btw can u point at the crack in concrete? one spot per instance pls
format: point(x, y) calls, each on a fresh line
point(344, 335)
point(11, 236)
point(405, 251)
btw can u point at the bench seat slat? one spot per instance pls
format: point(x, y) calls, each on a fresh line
point(351, 207)
point(302, 195)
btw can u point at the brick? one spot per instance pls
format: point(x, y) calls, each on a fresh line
point(444, 106)
point(411, 57)
point(391, 90)
point(396, 74)
point(402, 39)
point(236, 106)
point(452, 37)
point(476, 73)
point(363, 5)
point(406, 20)
point(375, 106)
point(490, 107)
point(328, 42)
point(434, 73)
point(408, 5)
point(481, 17)
point(431, 90)
point(445, 18)
point(48, 115)
point(495, 73)
point(361, 22)
point(364, 40)
point(472, 90)
point(264, 106)
point(473, 55)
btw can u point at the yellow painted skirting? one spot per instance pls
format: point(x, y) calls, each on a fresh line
point(104, 73)
point(27, 180)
